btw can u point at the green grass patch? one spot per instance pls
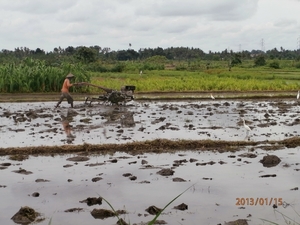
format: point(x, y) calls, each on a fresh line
point(210, 80)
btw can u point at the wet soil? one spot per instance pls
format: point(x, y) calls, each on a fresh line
point(267, 106)
point(40, 97)
point(58, 160)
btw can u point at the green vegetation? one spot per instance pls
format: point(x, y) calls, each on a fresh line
point(26, 72)
point(35, 76)
point(211, 80)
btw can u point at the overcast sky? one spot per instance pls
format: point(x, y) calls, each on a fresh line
point(213, 25)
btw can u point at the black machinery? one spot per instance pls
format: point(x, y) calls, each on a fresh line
point(113, 96)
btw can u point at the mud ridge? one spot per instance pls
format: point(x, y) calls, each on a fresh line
point(155, 146)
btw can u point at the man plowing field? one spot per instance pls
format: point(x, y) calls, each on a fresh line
point(65, 90)
point(113, 96)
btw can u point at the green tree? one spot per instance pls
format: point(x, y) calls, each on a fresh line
point(274, 65)
point(236, 59)
point(86, 55)
point(260, 61)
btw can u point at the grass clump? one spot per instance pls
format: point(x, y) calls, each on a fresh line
point(121, 221)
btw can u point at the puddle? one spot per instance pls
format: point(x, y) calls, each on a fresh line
point(211, 198)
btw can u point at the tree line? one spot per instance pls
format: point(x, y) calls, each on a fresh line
point(95, 53)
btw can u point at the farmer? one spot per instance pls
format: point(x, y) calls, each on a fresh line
point(65, 90)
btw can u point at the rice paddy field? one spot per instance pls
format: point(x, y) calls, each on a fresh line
point(141, 156)
point(173, 139)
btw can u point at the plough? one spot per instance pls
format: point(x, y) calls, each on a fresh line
point(112, 96)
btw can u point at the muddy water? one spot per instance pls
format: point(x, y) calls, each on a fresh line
point(35, 124)
point(218, 182)
point(212, 197)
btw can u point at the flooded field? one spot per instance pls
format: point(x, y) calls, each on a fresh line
point(35, 124)
point(223, 184)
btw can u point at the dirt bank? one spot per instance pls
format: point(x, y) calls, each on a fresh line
point(155, 146)
point(36, 97)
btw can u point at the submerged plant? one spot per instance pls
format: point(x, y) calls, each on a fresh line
point(286, 218)
point(121, 222)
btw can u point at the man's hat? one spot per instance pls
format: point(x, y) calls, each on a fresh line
point(70, 75)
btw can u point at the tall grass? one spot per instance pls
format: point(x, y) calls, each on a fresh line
point(35, 76)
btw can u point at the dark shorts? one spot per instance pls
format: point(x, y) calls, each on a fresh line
point(67, 96)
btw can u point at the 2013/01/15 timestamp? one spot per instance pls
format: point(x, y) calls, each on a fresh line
point(258, 201)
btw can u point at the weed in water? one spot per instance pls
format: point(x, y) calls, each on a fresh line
point(156, 216)
point(286, 218)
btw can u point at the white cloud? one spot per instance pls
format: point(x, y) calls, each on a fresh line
point(209, 25)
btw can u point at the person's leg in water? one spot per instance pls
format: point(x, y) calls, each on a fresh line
point(70, 99)
point(62, 96)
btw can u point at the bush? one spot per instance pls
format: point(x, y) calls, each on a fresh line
point(297, 65)
point(260, 61)
point(274, 65)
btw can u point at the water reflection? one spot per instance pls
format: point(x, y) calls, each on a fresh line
point(120, 115)
point(65, 121)
point(67, 128)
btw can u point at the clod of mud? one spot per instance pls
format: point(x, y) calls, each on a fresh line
point(237, 222)
point(113, 161)
point(178, 179)
point(78, 159)
point(159, 222)
point(92, 201)
point(95, 179)
point(102, 213)
point(74, 210)
point(268, 175)
point(166, 172)
point(248, 155)
point(182, 207)
point(179, 162)
point(41, 180)
point(132, 178)
point(105, 213)
point(127, 174)
point(143, 162)
point(153, 210)
point(18, 157)
point(22, 171)
point(35, 194)
point(95, 164)
point(25, 215)
point(206, 163)
point(67, 165)
point(121, 222)
point(270, 160)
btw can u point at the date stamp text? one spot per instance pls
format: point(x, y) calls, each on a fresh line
point(258, 201)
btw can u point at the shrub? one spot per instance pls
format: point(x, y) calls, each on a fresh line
point(274, 65)
point(260, 61)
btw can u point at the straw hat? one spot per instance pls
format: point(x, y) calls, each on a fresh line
point(70, 75)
